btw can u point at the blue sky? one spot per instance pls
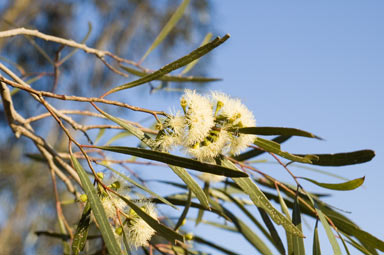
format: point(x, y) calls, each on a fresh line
point(317, 66)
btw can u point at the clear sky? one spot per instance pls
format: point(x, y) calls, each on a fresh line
point(317, 66)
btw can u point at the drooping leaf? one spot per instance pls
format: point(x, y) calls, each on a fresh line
point(289, 235)
point(248, 214)
point(272, 230)
point(179, 171)
point(260, 200)
point(175, 160)
point(243, 228)
point(298, 242)
point(168, 27)
point(349, 185)
point(81, 234)
point(200, 212)
point(328, 231)
point(97, 209)
point(170, 77)
point(161, 229)
point(342, 159)
point(256, 152)
point(199, 52)
point(316, 242)
point(276, 131)
point(275, 148)
point(183, 215)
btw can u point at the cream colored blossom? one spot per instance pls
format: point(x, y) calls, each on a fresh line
point(198, 116)
point(110, 205)
point(137, 230)
point(210, 147)
point(231, 115)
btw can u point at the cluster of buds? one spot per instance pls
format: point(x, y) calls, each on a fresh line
point(207, 126)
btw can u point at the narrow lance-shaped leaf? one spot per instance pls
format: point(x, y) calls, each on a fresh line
point(289, 235)
point(199, 52)
point(276, 131)
point(200, 213)
point(349, 185)
point(243, 228)
point(248, 214)
point(316, 242)
point(256, 151)
point(167, 28)
point(260, 200)
point(175, 160)
point(275, 148)
point(342, 159)
point(298, 242)
point(170, 77)
point(97, 209)
point(179, 171)
point(328, 231)
point(275, 236)
point(81, 234)
point(162, 230)
point(183, 215)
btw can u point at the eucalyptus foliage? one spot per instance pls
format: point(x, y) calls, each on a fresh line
point(210, 145)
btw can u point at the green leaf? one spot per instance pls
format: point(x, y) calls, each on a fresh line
point(97, 209)
point(358, 246)
point(81, 234)
point(237, 202)
point(275, 148)
point(298, 242)
point(275, 236)
point(200, 212)
point(170, 77)
point(316, 242)
point(349, 185)
point(181, 172)
point(140, 186)
point(161, 230)
point(243, 228)
point(175, 160)
point(199, 52)
point(328, 230)
point(276, 131)
point(183, 215)
point(289, 236)
point(167, 28)
point(260, 200)
point(342, 159)
point(188, 67)
point(256, 152)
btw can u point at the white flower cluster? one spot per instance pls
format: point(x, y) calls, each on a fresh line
point(138, 232)
point(207, 127)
